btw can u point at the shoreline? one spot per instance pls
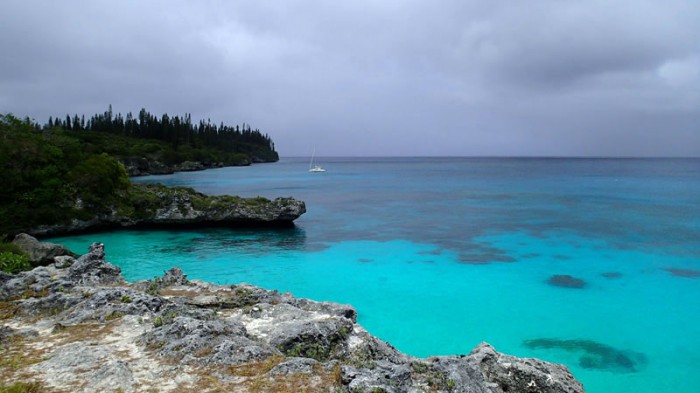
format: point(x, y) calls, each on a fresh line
point(158, 206)
point(80, 320)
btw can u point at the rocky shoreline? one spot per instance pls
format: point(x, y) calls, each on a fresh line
point(77, 325)
point(155, 205)
point(143, 166)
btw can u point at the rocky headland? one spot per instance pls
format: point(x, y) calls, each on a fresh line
point(77, 325)
point(145, 166)
point(155, 205)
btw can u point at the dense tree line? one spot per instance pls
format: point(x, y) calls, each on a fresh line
point(178, 131)
point(70, 168)
point(49, 177)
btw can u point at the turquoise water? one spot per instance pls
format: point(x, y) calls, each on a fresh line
point(438, 255)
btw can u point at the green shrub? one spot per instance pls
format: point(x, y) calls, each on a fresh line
point(13, 263)
point(98, 178)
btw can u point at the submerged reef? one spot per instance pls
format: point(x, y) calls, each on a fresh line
point(481, 255)
point(678, 272)
point(594, 355)
point(566, 281)
point(79, 326)
point(611, 275)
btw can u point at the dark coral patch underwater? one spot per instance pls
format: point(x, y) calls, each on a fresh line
point(611, 275)
point(688, 273)
point(566, 281)
point(477, 258)
point(594, 355)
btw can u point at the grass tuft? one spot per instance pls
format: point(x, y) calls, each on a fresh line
point(22, 387)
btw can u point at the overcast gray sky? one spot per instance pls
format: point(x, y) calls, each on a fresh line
point(368, 78)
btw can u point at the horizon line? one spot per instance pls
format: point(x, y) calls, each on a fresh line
point(499, 156)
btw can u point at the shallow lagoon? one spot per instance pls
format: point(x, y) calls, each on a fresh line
point(440, 254)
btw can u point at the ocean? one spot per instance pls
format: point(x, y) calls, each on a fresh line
point(594, 263)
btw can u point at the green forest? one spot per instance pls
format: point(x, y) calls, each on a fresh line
point(169, 139)
point(69, 169)
point(50, 176)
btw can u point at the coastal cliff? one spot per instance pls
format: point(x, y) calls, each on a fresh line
point(59, 179)
point(144, 166)
point(154, 205)
point(77, 325)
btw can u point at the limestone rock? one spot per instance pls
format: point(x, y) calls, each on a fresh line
point(182, 206)
point(85, 329)
point(295, 366)
point(91, 268)
point(205, 341)
point(142, 166)
point(26, 284)
point(510, 374)
point(103, 304)
point(40, 253)
point(174, 276)
point(189, 166)
point(63, 261)
point(297, 332)
point(94, 367)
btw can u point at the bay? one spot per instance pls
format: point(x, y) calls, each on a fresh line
point(439, 254)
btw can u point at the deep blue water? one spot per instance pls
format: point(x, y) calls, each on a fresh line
point(438, 254)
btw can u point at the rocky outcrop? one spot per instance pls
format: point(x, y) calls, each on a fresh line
point(510, 374)
point(154, 205)
point(40, 253)
point(144, 166)
point(184, 205)
point(83, 328)
point(191, 166)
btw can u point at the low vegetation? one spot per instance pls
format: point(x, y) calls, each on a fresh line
point(22, 387)
point(12, 259)
point(13, 263)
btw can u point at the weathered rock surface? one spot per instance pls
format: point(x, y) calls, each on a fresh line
point(144, 166)
point(186, 206)
point(40, 253)
point(160, 206)
point(510, 374)
point(83, 328)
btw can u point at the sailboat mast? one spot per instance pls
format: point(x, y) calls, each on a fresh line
point(313, 154)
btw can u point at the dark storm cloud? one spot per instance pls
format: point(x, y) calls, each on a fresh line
point(374, 78)
point(559, 42)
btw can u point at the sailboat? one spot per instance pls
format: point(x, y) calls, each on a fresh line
point(312, 167)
